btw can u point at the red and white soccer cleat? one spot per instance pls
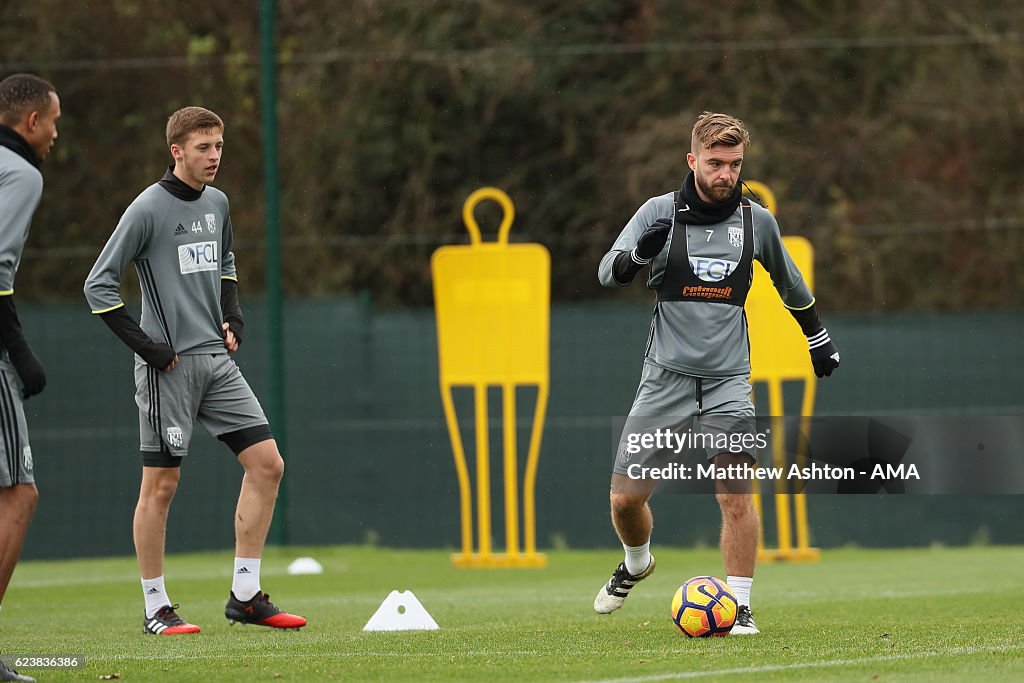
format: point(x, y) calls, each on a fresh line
point(166, 622)
point(260, 611)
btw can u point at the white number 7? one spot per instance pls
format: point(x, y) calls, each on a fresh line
point(710, 233)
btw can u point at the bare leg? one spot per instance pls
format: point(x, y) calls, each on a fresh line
point(263, 471)
point(150, 525)
point(631, 515)
point(739, 519)
point(17, 504)
point(633, 522)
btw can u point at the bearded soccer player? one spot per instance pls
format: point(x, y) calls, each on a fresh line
point(178, 234)
point(700, 243)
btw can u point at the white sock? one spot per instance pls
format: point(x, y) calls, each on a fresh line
point(740, 586)
point(246, 582)
point(637, 558)
point(155, 594)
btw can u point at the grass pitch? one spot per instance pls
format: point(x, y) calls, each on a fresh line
point(859, 615)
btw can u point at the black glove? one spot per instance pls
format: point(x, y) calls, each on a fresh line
point(652, 241)
point(824, 354)
point(29, 369)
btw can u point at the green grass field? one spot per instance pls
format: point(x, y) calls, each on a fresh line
point(922, 615)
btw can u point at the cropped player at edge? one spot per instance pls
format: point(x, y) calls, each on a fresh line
point(700, 243)
point(29, 109)
point(178, 234)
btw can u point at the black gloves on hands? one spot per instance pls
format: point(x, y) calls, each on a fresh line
point(652, 241)
point(628, 263)
point(29, 369)
point(824, 354)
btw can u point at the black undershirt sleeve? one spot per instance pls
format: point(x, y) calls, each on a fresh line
point(808, 319)
point(157, 354)
point(230, 308)
point(624, 268)
point(10, 326)
point(28, 367)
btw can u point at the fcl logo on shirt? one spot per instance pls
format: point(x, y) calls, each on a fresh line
point(197, 257)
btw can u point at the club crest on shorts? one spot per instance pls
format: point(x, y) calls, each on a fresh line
point(174, 437)
point(26, 458)
point(736, 237)
point(211, 222)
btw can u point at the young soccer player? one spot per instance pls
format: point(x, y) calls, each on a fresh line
point(178, 235)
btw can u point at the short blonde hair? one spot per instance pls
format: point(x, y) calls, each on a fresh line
point(713, 129)
point(186, 121)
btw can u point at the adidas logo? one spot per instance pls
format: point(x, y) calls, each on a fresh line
point(155, 627)
point(152, 591)
point(244, 570)
point(180, 230)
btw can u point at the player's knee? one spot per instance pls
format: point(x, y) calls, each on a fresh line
point(627, 503)
point(165, 491)
point(269, 468)
point(160, 488)
point(277, 468)
point(32, 494)
point(28, 497)
point(735, 505)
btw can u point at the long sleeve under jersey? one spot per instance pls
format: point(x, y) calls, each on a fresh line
point(181, 250)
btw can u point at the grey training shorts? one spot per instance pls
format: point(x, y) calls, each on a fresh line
point(705, 415)
point(15, 452)
point(207, 387)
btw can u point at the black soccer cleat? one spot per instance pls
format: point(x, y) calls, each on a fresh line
point(744, 625)
point(260, 611)
point(9, 674)
point(614, 593)
point(166, 622)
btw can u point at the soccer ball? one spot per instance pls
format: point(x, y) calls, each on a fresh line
point(704, 606)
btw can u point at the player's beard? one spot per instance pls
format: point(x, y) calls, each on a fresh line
point(718, 194)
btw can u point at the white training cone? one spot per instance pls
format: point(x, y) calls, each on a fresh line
point(305, 565)
point(401, 612)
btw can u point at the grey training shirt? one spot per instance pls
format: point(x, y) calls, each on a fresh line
point(21, 186)
point(181, 250)
point(695, 337)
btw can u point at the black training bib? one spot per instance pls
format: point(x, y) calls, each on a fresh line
point(680, 283)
